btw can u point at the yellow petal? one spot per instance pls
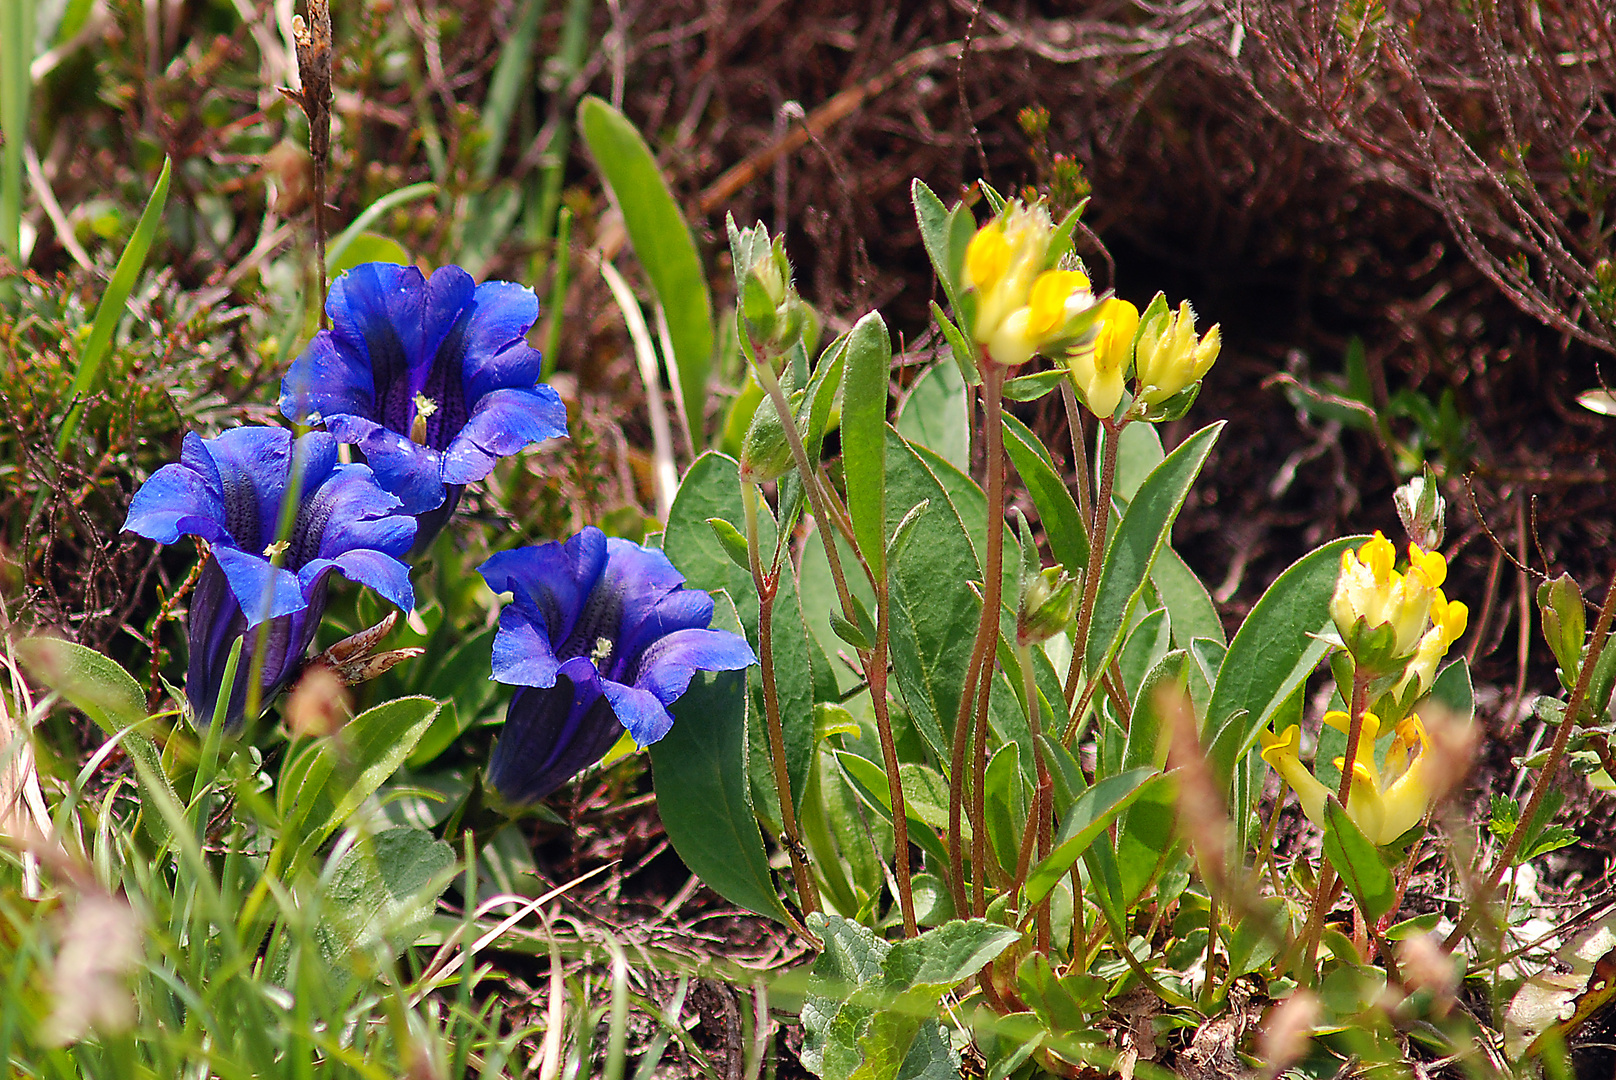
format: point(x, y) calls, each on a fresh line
point(987, 257)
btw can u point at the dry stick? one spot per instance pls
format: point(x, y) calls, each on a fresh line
point(1562, 736)
point(1091, 579)
point(807, 891)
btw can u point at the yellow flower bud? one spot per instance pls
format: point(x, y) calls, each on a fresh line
point(1099, 366)
point(1169, 357)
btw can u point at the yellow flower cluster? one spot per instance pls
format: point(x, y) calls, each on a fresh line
point(1168, 359)
point(1384, 804)
point(1370, 594)
point(1022, 305)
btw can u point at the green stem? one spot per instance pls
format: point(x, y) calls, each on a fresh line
point(807, 893)
point(1091, 578)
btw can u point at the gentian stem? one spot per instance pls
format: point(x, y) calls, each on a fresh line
point(766, 585)
point(1091, 577)
point(1562, 736)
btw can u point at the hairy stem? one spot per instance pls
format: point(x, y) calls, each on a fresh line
point(766, 584)
point(1091, 579)
point(987, 627)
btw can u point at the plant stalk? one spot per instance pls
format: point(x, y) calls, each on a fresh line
point(1562, 736)
point(766, 586)
point(1091, 578)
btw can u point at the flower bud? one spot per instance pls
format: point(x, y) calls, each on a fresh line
point(1169, 359)
point(1422, 509)
point(1564, 624)
point(1048, 605)
point(765, 450)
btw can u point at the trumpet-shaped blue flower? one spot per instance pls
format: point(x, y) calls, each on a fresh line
point(229, 491)
point(430, 377)
point(600, 635)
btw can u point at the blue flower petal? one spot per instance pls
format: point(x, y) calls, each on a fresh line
point(330, 377)
point(666, 667)
point(496, 355)
point(381, 572)
point(551, 735)
point(348, 510)
point(408, 470)
point(681, 609)
point(552, 580)
point(247, 467)
point(646, 718)
point(640, 577)
point(176, 502)
point(263, 591)
point(503, 423)
point(523, 655)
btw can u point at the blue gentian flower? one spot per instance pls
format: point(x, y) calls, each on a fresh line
point(430, 377)
point(229, 492)
point(600, 635)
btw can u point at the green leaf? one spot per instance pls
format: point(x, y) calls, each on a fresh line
point(964, 359)
point(369, 247)
point(1452, 688)
point(869, 780)
point(1358, 862)
point(1189, 605)
point(704, 797)
point(109, 695)
point(733, 542)
point(1007, 804)
point(936, 232)
point(1034, 386)
point(712, 489)
point(934, 609)
point(935, 415)
point(93, 684)
point(869, 1012)
point(1415, 927)
point(1139, 452)
point(864, 436)
point(661, 240)
point(1091, 814)
point(1145, 528)
point(327, 779)
point(1271, 654)
point(110, 311)
point(383, 890)
point(1257, 936)
point(1057, 511)
point(504, 89)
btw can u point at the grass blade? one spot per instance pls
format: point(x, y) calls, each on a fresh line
point(110, 311)
point(510, 75)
